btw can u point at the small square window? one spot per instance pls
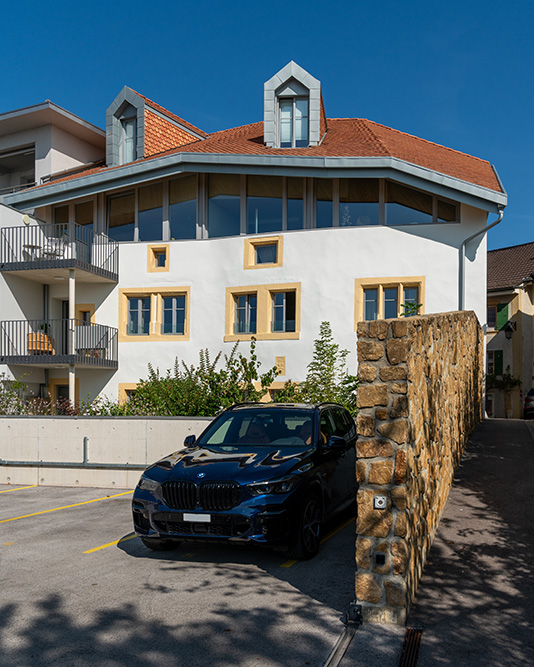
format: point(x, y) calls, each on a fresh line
point(160, 257)
point(266, 254)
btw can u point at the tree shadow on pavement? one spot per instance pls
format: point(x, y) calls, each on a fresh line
point(475, 600)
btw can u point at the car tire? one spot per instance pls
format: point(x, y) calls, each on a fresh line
point(160, 545)
point(307, 539)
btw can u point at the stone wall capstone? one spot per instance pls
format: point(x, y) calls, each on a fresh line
point(420, 396)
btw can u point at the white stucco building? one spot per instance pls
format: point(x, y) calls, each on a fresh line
point(179, 240)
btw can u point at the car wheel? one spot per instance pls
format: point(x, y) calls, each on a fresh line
point(160, 545)
point(307, 539)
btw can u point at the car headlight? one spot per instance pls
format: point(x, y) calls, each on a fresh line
point(147, 484)
point(284, 485)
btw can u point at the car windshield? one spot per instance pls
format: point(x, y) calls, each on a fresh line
point(267, 426)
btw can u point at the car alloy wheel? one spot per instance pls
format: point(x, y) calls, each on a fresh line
point(308, 537)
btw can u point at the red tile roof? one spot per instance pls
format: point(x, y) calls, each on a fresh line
point(171, 115)
point(346, 137)
point(509, 267)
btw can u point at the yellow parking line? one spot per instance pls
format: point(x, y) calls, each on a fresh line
point(130, 536)
point(55, 509)
point(20, 488)
point(289, 563)
point(7, 544)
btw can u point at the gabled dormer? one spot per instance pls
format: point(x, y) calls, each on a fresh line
point(137, 128)
point(293, 109)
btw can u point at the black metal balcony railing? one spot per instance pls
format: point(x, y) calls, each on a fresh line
point(67, 341)
point(52, 246)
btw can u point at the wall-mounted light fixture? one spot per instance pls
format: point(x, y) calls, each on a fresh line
point(509, 330)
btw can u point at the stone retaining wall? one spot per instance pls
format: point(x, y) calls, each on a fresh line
point(420, 396)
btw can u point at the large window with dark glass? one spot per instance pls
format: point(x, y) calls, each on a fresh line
point(139, 316)
point(150, 219)
point(245, 313)
point(358, 202)
point(284, 309)
point(295, 203)
point(121, 217)
point(224, 205)
point(173, 314)
point(264, 204)
point(323, 202)
point(183, 207)
point(83, 214)
point(293, 122)
point(406, 206)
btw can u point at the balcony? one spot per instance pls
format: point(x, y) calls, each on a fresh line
point(39, 251)
point(49, 343)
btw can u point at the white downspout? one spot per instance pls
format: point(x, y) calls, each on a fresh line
point(461, 281)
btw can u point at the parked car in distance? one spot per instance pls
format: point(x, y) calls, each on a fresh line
point(270, 474)
point(528, 407)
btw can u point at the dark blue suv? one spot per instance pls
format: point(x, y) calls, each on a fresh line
point(264, 473)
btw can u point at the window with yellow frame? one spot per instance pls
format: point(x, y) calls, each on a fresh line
point(387, 298)
point(158, 314)
point(263, 253)
point(265, 312)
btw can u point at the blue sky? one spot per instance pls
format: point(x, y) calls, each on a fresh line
point(457, 73)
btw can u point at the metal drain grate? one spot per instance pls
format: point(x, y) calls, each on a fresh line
point(410, 648)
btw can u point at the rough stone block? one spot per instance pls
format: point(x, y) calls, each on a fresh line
point(397, 430)
point(397, 351)
point(400, 466)
point(395, 594)
point(401, 525)
point(378, 329)
point(371, 395)
point(363, 553)
point(381, 413)
point(399, 407)
point(370, 351)
point(381, 472)
point(367, 373)
point(400, 556)
point(375, 523)
point(399, 388)
point(393, 373)
point(367, 588)
point(365, 425)
point(362, 329)
point(398, 497)
point(367, 449)
point(361, 472)
point(399, 328)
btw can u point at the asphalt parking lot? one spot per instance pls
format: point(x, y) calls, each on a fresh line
point(78, 588)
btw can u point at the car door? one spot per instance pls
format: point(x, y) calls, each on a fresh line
point(346, 475)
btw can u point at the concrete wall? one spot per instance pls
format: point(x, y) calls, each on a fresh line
point(420, 396)
point(116, 440)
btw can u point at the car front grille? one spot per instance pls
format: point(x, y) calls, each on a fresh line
point(219, 526)
point(210, 496)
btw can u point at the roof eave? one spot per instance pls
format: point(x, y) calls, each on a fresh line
point(171, 165)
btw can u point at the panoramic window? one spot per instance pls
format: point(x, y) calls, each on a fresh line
point(284, 309)
point(121, 217)
point(173, 314)
point(264, 204)
point(150, 217)
point(139, 316)
point(405, 206)
point(358, 202)
point(183, 208)
point(295, 203)
point(323, 205)
point(224, 205)
point(294, 115)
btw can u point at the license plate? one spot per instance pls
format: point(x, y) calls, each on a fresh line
point(197, 518)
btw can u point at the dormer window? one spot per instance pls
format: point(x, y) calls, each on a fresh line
point(128, 140)
point(294, 115)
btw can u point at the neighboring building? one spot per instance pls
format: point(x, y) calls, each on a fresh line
point(182, 240)
point(510, 332)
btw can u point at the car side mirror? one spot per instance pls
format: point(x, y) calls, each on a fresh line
point(189, 440)
point(335, 442)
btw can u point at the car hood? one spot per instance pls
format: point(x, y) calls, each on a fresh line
point(239, 462)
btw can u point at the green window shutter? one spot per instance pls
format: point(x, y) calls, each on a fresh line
point(497, 360)
point(502, 315)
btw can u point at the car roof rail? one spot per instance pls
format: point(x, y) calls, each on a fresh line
point(244, 403)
